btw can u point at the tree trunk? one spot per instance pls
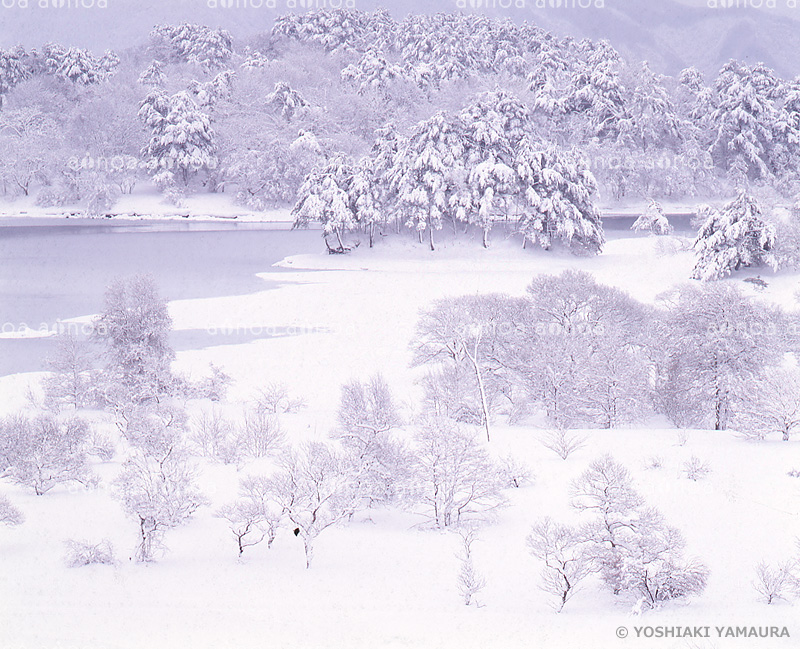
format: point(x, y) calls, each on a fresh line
point(481, 390)
point(371, 234)
point(485, 238)
point(430, 236)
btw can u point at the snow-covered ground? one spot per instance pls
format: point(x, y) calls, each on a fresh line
point(147, 203)
point(381, 581)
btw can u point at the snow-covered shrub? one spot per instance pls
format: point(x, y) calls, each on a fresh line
point(775, 583)
point(101, 446)
point(654, 462)
point(213, 436)
point(652, 564)
point(734, 238)
point(247, 524)
point(515, 473)
point(214, 386)
point(456, 479)
point(10, 515)
point(566, 561)
point(261, 435)
point(84, 553)
point(563, 442)
point(154, 428)
point(45, 451)
point(696, 469)
point(159, 494)
point(470, 581)
point(653, 220)
point(275, 399)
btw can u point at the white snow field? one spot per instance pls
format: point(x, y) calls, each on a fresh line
point(381, 580)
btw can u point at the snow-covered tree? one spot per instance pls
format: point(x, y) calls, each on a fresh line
point(650, 119)
point(253, 517)
point(285, 101)
point(597, 93)
point(365, 198)
point(45, 451)
point(566, 562)
point(209, 48)
point(153, 75)
point(733, 238)
point(744, 118)
point(29, 143)
point(314, 490)
point(456, 479)
point(631, 545)
point(160, 494)
point(580, 354)
point(324, 197)
point(471, 332)
point(134, 325)
point(182, 140)
point(555, 200)
point(710, 338)
point(208, 93)
point(427, 172)
point(653, 220)
point(13, 70)
point(372, 73)
point(769, 403)
point(73, 379)
point(367, 418)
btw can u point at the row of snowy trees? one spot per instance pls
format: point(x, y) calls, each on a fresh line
point(474, 168)
point(590, 356)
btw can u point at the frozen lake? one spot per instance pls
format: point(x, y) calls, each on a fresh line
point(51, 271)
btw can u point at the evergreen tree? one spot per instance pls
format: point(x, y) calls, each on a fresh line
point(734, 238)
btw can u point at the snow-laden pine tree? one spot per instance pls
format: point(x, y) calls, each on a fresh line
point(13, 70)
point(182, 140)
point(428, 172)
point(324, 197)
point(494, 126)
point(153, 75)
point(365, 197)
point(653, 220)
point(372, 73)
point(651, 120)
point(597, 93)
point(198, 44)
point(555, 199)
point(733, 238)
point(745, 118)
point(285, 101)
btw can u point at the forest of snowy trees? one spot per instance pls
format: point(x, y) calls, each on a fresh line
point(365, 123)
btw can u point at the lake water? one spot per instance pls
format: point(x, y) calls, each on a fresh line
point(50, 271)
point(59, 269)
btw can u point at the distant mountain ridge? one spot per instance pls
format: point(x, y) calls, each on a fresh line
point(669, 34)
